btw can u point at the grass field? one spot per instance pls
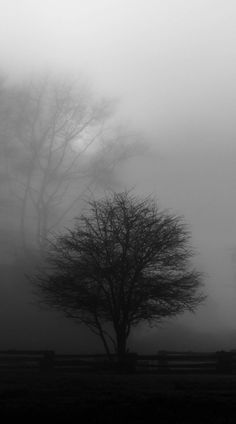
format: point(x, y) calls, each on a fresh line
point(100, 398)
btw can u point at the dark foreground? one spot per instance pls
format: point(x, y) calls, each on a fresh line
point(119, 398)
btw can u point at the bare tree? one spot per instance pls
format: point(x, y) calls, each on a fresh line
point(54, 153)
point(124, 263)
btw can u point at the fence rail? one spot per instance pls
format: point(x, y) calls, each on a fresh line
point(162, 363)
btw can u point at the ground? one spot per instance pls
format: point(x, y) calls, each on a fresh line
point(99, 398)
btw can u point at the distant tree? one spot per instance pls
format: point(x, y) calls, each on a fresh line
point(53, 154)
point(126, 262)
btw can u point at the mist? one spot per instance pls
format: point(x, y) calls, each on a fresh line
point(169, 70)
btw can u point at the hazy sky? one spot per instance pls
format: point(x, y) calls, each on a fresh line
point(172, 64)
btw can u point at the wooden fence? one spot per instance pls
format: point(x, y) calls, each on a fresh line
point(161, 363)
point(188, 363)
point(26, 360)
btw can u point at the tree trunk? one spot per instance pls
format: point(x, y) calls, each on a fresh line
point(122, 351)
point(121, 345)
point(126, 361)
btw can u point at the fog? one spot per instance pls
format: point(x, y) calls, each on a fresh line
point(169, 67)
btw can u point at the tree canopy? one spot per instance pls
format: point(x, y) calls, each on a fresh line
point(125, 262)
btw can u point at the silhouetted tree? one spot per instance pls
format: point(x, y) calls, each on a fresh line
point(124, 263)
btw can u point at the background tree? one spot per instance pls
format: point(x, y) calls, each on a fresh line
point(124, 263)
point(58, 143)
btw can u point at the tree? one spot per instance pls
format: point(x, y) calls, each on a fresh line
point(52, 152)
point(126, 262)
point(54, 124)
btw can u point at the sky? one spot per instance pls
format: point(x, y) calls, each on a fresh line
point(172, 66)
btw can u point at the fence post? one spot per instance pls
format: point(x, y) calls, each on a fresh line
point(47, 362)
point(224, 362)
